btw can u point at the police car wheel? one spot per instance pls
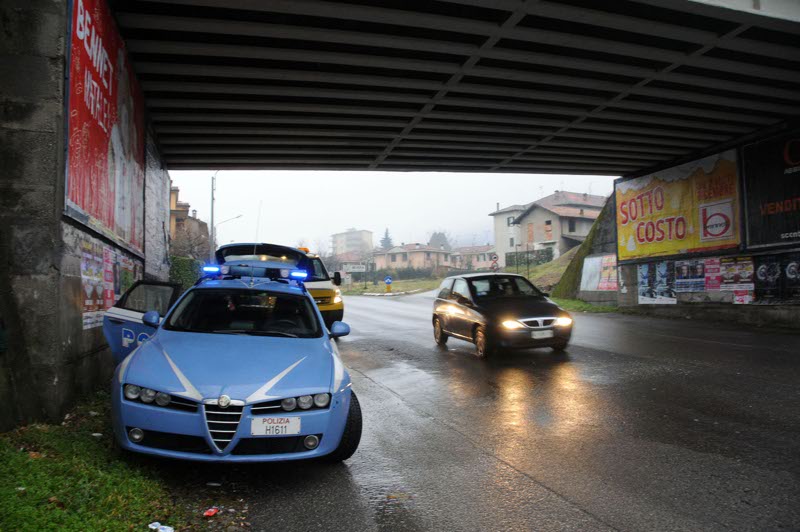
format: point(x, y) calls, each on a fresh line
point(351, 435)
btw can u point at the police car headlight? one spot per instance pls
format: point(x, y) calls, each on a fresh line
point(163, 399)
point(148, 395)
point(321, 400)
point(563, 321)
point(132, 392)
point(305, 402)
point(290, 403)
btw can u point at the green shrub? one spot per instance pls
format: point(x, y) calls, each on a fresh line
point(185, 271)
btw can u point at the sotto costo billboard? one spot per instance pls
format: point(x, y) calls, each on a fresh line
point(684, 209)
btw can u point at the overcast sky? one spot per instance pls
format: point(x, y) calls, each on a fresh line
point(312, 205)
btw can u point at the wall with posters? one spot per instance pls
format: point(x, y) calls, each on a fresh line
point(599, 279)
point(106, 130)
point(68, 245)
point(684, 209)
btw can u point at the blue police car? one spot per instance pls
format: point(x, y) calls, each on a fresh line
point(240, 368)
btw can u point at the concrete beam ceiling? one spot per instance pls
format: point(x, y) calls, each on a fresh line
point(552, 86)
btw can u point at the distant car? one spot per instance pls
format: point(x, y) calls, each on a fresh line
point(497, 311)
point(239, 369)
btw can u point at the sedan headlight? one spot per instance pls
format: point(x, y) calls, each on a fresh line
point(321, 400)
point(132, 392)
point(512, 324)
point(289, 404)
point(563, 321)
point(148, 395)
point(305, 402)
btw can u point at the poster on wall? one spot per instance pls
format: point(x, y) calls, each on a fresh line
point(608, 274)
point(105, 150)
point(777, 278)
point(92, 284)
point(106, 274)
point(772, 186)
point(690, 275)
point(657, 283)
point(599, 274)
point(713, 274)
point(684, 209)
point(738, 273)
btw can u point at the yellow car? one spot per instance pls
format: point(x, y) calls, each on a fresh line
point(325, 289)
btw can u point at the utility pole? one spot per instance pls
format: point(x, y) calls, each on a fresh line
point(527, 260)
point(213, 247)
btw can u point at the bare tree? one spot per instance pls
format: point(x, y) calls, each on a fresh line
point(191, 241)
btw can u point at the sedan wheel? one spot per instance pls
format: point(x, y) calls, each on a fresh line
point(438, 333)
point(483, 347)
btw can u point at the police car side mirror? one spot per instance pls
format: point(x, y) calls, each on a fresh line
point(337, 278)
point(151, 318)
point(339, 329)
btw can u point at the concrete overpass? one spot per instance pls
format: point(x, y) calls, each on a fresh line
point(551, 86)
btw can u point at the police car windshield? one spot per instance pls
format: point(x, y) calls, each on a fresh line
point(242, 311)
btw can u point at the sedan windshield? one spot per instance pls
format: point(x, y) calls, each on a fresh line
point(251, 312)
point(492, 287)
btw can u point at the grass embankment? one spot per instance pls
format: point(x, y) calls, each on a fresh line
point(547, 275)
point(422, 285)
point(62, 477)
point(576, 305)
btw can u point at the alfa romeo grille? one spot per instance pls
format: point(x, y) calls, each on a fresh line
point(222, 423)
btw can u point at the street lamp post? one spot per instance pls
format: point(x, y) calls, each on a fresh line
point(212, 247)
point(214, 231)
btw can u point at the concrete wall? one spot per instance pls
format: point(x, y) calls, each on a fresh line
point(156, 203)
point(47, 359)
point(32, 46)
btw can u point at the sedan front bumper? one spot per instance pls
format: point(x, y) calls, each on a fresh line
point(184, 435)
point(523, 338)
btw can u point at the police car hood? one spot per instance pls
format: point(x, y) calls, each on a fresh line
point(249, 368)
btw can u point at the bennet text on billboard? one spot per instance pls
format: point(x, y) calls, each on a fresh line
point(93, 95)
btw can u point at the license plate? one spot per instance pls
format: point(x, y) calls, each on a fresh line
point(274, 426)
point(538, 335)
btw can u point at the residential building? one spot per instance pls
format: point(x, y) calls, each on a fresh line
point(416, 255)
point(352, 240)
point(506, 233)
point(189, 236)
point(474, 257)
point(559, 221)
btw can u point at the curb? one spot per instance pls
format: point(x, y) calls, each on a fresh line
point(391, 294)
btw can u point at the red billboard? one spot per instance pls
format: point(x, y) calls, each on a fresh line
point(105, 151)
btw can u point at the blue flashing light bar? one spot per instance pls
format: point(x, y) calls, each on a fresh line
point(298, 274)
point(211, 269)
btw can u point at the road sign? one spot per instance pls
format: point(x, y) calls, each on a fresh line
point(495, 266)
point(355, 268)
point(494, 257)
point(387, 279)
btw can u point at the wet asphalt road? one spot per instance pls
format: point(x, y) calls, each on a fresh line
point(644, 424)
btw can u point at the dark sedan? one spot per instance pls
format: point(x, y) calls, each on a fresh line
point(496, 311)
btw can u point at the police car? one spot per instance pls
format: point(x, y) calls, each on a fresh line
point(239, 369)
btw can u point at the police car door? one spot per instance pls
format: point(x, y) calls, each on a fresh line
point(122, 324)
